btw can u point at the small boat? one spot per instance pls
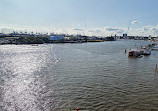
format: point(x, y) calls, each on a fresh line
point(34, 44)
point(155, 48)
point(131, 53)
point(134, 53)
point(147, 52)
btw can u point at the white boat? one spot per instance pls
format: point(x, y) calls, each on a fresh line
point(147, 52)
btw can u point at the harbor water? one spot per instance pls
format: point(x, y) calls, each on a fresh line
point(91, 76)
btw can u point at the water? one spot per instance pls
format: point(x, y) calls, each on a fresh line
point(91, 76)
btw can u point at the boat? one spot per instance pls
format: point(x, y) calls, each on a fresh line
point(155, 48)
point(147, 52)
point(34, 44)
point(134, 52)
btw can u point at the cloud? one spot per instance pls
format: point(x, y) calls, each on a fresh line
point(115, 30)
point(107, 31)
point(96, 31)
point(111, 29)
point(121, 31)
point(135, 22)
point(78, 29)
point(147, 30)
point(6, 30)
point(154, 30)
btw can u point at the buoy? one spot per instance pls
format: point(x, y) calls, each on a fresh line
point(77, 108)
point(140, 56)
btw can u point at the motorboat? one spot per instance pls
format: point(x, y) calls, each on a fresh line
point(134, 53)
point(147, 52)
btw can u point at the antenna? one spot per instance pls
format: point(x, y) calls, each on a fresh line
point(129, 26)
point(85, 28)
point(2, 31)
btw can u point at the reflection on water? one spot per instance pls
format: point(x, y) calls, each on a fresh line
point(22, 83)
point(92, 76)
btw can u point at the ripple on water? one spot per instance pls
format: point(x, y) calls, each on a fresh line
point(96, 77)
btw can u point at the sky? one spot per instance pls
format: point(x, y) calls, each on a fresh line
point(90, 17)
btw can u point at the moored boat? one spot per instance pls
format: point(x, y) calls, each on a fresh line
point(134, 53)
point(147, 52)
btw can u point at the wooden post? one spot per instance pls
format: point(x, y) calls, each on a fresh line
point(125, 50)
point(156, 69)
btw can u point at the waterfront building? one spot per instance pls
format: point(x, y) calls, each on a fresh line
point(56, 37)
point(125, 36)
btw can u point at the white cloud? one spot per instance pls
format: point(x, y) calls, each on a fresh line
point(135, 22)
point(115, 30)
point(104, 31)
point(78, 29)
point(95, 31)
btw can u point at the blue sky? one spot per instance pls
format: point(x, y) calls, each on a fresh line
point(93, 17)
